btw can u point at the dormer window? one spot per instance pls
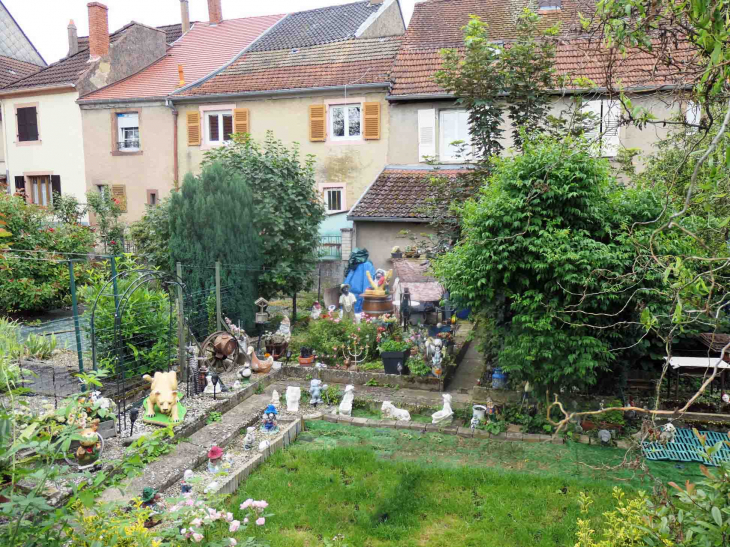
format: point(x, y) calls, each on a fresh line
point(549, 5)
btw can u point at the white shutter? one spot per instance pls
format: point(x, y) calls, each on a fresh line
point(463, 122)
point(426, 133)
point(693, 115)
point(610, 141)
point(448, 133)
point(593, 134)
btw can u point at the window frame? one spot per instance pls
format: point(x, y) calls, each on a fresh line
point(331, 120)
point(604, 147)
point(115, 132)
point(469, 151)
point(205, 143)
point(327, 187)
point(38, 140)
point(150, 195)
point(29, 190)
point(221, 127)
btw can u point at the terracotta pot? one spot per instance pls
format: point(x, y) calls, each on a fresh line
point(306, 361)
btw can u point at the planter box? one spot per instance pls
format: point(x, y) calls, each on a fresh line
point(588, 425)
point(396, 255)
point(391, 360)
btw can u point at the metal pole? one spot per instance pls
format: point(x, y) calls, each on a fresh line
point(113, 261)
point(218, 294)
point(319, 280)
point(75, 307)
point(182, 362)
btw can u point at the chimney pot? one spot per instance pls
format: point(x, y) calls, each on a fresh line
point(73, 39)
point(98, 30)
point(185, 15)
point(215, 12)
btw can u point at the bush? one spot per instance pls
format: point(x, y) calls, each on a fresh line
point(36, 285)
point(10, 349)
point(418, 366)
point(390, 344)
point(330, 338)
point(151, 235)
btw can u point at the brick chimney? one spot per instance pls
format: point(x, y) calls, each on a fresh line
point(73, 39)
point(98, 30)
point(215, 12)
point(185, 15)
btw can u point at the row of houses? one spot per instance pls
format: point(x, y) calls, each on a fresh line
point(132, 111)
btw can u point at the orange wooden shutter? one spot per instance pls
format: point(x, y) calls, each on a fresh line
point(193, 128)
point(317, 123)
point(241, 120)
point(119, 192)
point(371, 119)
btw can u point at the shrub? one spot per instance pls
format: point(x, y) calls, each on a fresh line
point(391, 344)
point(418, 366)
point(330, 338)
point(10, 349)
point(151, 235)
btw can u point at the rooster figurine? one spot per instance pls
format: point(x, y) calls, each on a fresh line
point(257, 365)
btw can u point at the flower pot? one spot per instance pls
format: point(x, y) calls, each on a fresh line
point(479, 412)
point(277, 350)
point(306, 361)
point(396, 255)
point(391, 359)
point(409, 254)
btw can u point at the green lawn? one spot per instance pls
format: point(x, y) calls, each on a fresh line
point(389, 487)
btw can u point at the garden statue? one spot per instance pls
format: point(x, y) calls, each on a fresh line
point(316, 310)
point(526, 394)
point(257, 365)
point(212, 487)
point(215, 459)
point(445, 414)
point(388, 410)
point(379, 285)
point(269, 425)
point(264, 445)
point(474, 422)
point(315, 390)
point(347, 399)
point(285, 328)
point(725, 398)
point(668, 433)
point(293, 395)
point(604, 435)
point(237, 385)
point(185, 486)
point(249, 439)
point(347, 302)
point(163, 395)
point(152, 499)
point(209, 387)
point(433, 352)
point(245, 373)
point(276, 399)
point(91, 444)
point(489, 412)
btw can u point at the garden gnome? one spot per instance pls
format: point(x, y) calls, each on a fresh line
point(490, 409)
point(276, 399)
point(316, 310)
point(667, 434)
point(347, 302)
point(293, 395)
point(269, 425)
point(185, 486)
point(347, 399)
point(249, 439)
point(445, 414)
point(315, 390)
point(90, 448)
point(215, 459)
point(151, 499)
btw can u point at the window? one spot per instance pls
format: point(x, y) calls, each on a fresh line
point(453, 127)
point(103, 189)
point(544, 5)
point(218, 126)
point(693, 116)
point(27, 124)
point(333, 196)
point(39, 190)
point(605, 132)
point(345, 122)
point(128, 132)
point(152, 198)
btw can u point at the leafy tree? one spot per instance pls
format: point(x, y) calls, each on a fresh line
point(212, 219)
point(549, 229)
point(107, 211)
point(286, 209)
point(151, 235)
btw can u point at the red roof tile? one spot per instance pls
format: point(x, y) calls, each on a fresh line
point(202, 50)
point(12, 70)
point(399, 193)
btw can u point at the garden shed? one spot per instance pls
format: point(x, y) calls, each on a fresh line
point(413, 274)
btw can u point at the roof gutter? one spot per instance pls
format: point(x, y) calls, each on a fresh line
point(276, 92)
point(34, 90)
point(390, 219)
point(84, 102)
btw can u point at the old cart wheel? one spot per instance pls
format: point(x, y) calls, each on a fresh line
point(220, 351)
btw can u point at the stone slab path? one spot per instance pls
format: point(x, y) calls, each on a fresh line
point(468, 371)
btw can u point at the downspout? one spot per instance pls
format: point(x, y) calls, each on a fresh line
point(5, 146)
point(175, 167)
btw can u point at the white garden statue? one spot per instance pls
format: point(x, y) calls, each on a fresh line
point(276, 399)
point(347, 399)
point(293, 395)
point(209, 388)
point(391, 412)
point(445, 414)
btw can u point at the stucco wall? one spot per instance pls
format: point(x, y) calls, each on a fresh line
point(403, 144)
point(380, 237)
point(355, 163)
point(2, 149)
point(388, 23)
point(150, 170)
point(60, 150)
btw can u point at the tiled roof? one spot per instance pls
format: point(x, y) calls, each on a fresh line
point(13, 41)
point(201, 51)
point(399, 193)
point(12, 70)
point(412, 270)
point(438, 24)
point(431, 291)
point(317, 26)
point(65, 71)
point(356, 60)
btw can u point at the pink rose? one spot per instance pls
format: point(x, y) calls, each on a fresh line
point(245, 521)
point(260, 521)
point(246, 504)
point(196, 522)
point(235, 525)
point(229, 517)
point(190, 503)
point(233, 541)
point(197, 538)
point(262, 504)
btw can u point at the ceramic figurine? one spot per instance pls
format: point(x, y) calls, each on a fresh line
point(237, 385)
point(604, 435)
point(347, 302)
point(276, 399)
point(445, 414)
point(474, 422)
point(269, 425)
point(347, 399)
point(263, 445)
point(209, 387)
point(215, 459)
point(315, 390)
point(185, 486)
point(163, 394)
point(250, 438)
point(379, 285)
point(316, 310)
point(212, 487)
point(91, 446)
point(389, 411)
point(668, 433)
point(152, 499)
point(293, 395)
point(725, 398)
point(489, 412)
point(245, 373)
point(285, 328)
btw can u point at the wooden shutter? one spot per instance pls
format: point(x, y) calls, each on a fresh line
point(426, 133)
point(56, 184)
point(610, 141)
point(22, 125)
point(19, 183)
point(372, 121)
point(317, 123)
point(193, 118)
point(593, 135)
point(241, 120)
point(27, 124)
point(119, 192)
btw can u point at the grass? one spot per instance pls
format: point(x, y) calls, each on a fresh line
point(381, 487)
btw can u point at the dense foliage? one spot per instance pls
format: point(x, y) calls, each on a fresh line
point(331, 338)
point(286, 209)
point(548, 229)
point(151, 235)
point(37, 280)
point(212, 219)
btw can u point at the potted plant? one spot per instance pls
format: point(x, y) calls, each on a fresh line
point(102, 408)
point(410, 251)
point(394, 353)
point(306, 357)
point(395, 252)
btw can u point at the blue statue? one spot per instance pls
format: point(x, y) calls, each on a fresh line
point(315, 390)
point(270, 415)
